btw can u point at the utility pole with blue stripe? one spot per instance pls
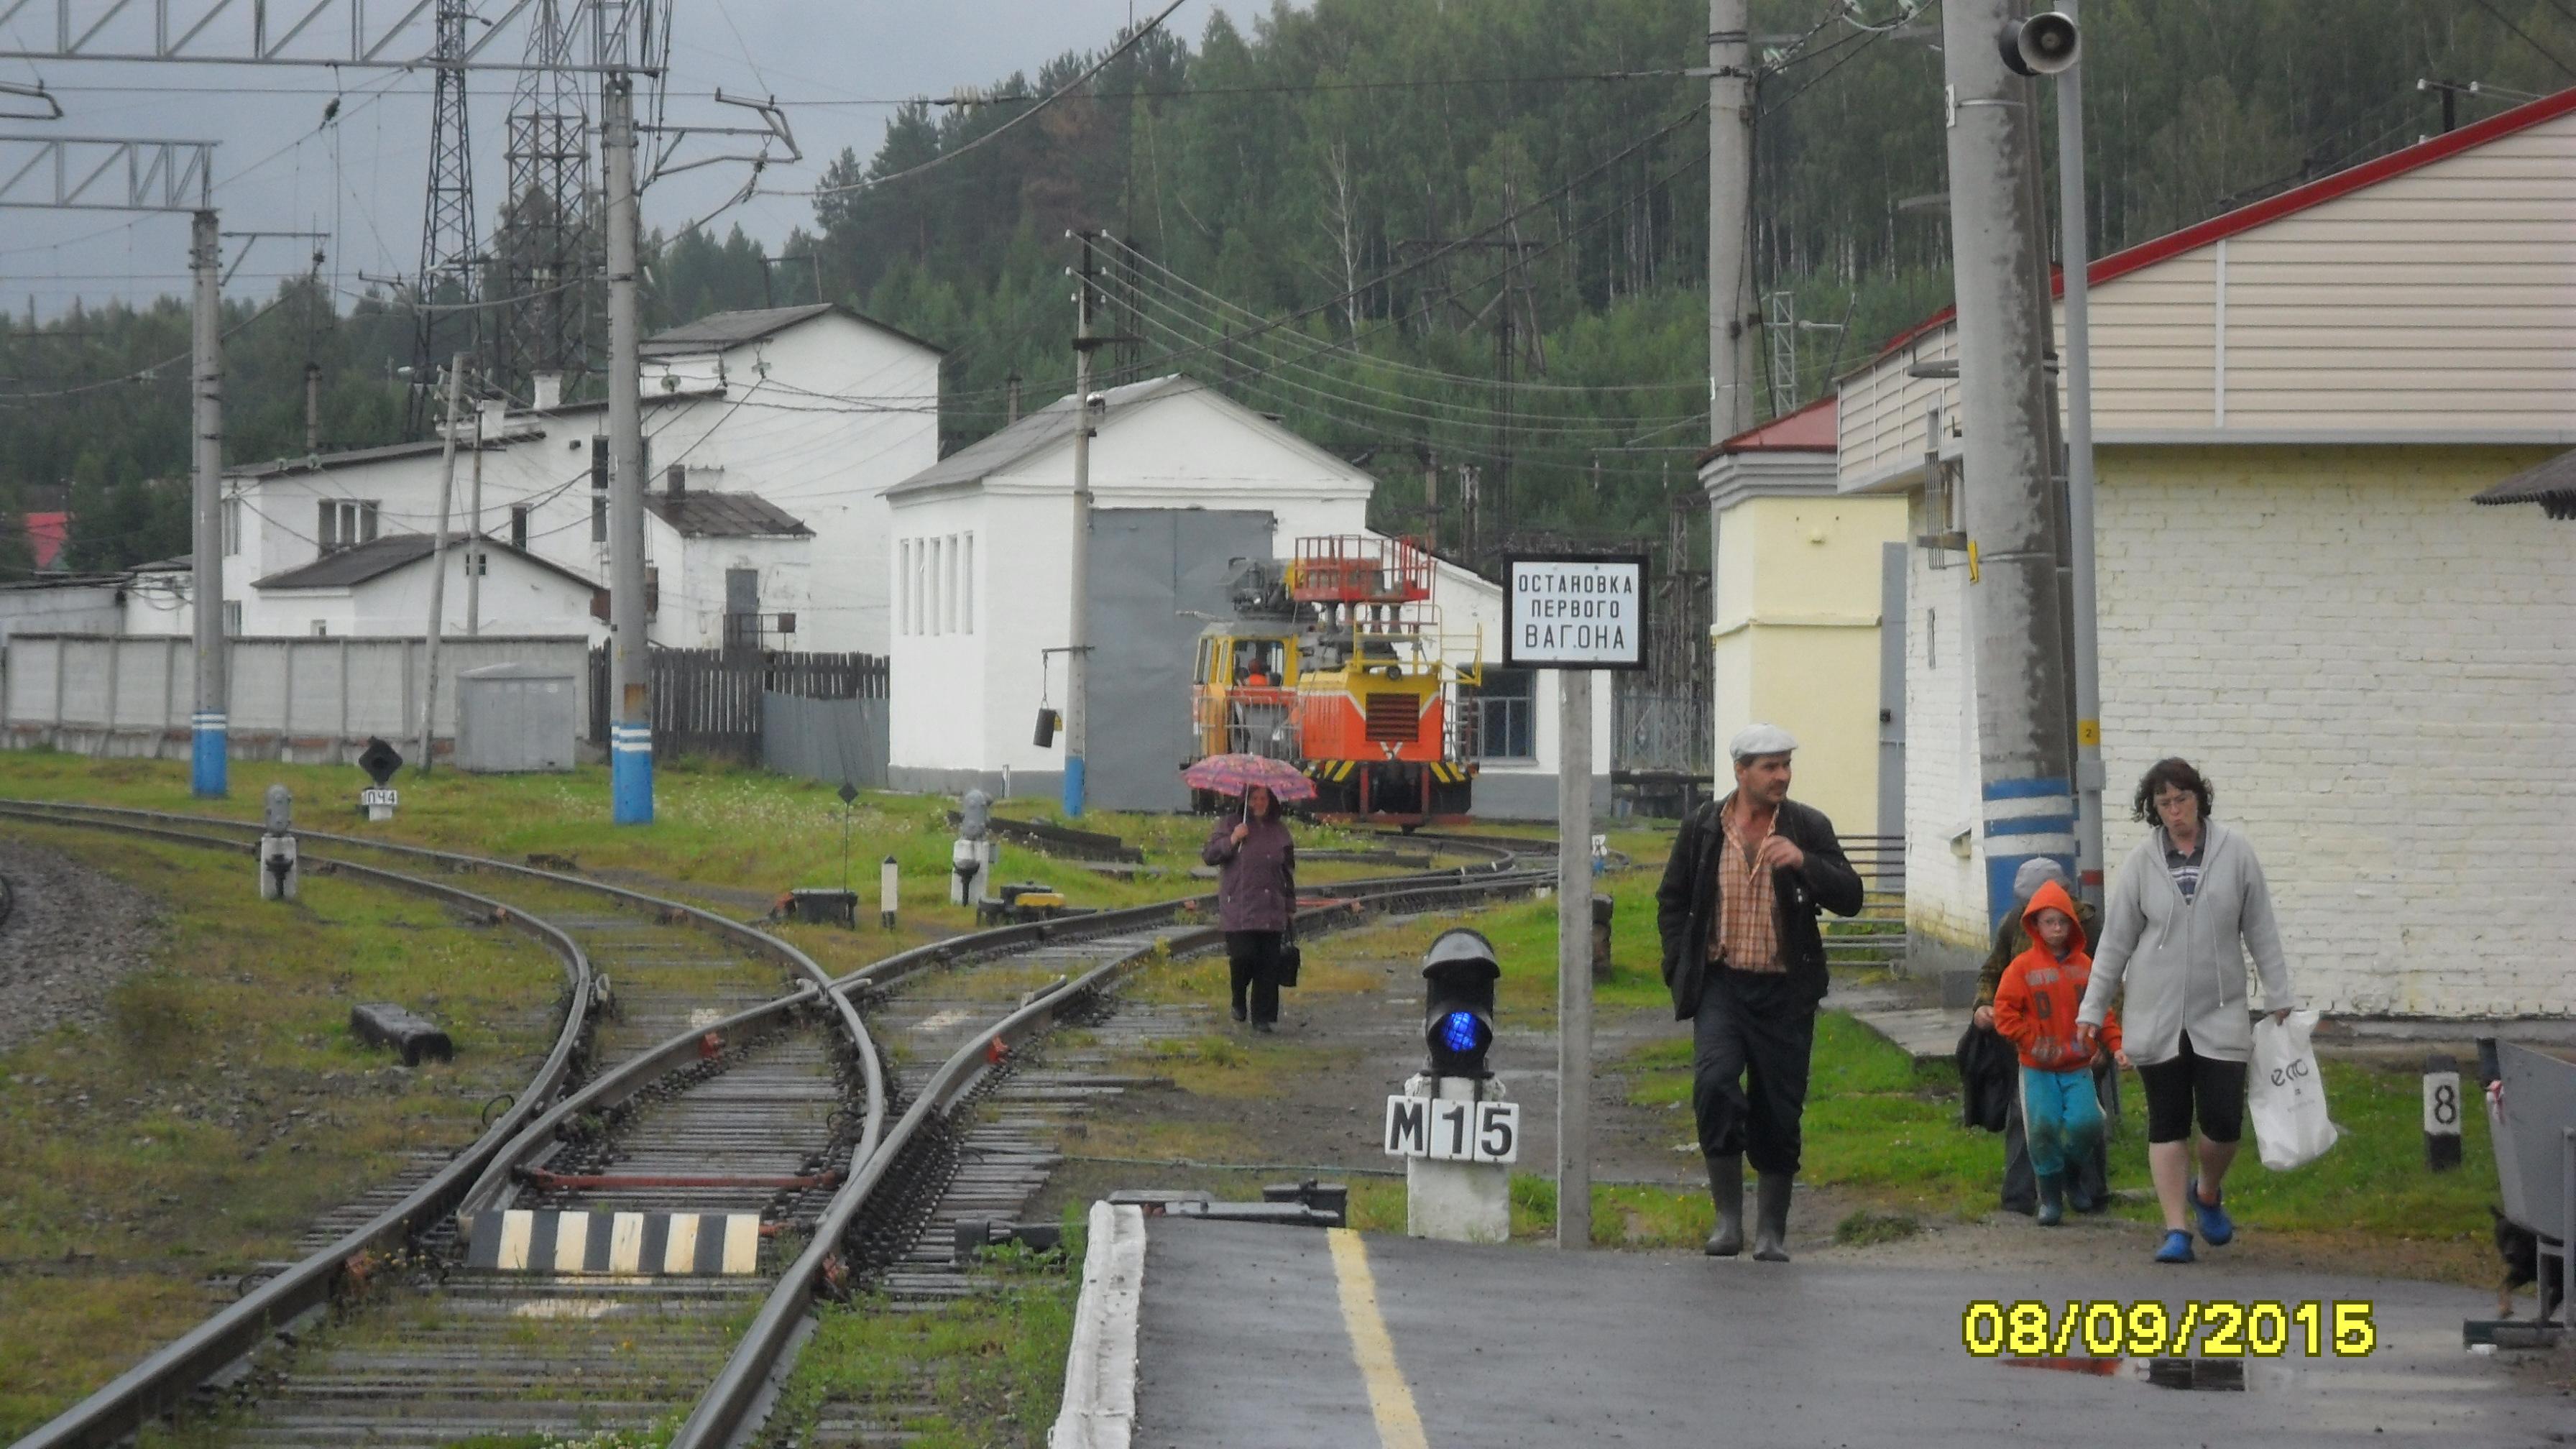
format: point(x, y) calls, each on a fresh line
point(2025, 739)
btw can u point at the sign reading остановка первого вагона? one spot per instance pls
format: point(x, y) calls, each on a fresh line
point(1567, 612)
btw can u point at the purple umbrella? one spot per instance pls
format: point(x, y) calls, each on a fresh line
point(1234, 774)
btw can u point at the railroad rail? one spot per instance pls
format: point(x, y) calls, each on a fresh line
point(1036, 973)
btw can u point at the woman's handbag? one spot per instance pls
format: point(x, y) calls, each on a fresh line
point(1290, 958)
point(2291, 1128)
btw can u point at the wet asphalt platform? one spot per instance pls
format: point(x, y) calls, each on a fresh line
point(1251, 1337)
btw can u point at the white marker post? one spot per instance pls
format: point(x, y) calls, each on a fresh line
point(1574, 615)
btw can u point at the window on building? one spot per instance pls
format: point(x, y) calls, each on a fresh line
point(232, 619)
point(944, 581)
point(1501, 711)
point(345, 523)
point(321, 628)
point(599, 518)
point(966, 585)
point(519, 526)
point(902, 586)
point(232, 527)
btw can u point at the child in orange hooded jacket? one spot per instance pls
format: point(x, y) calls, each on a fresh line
point(2035, 1010)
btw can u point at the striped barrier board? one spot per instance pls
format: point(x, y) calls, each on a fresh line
point(669, 1244)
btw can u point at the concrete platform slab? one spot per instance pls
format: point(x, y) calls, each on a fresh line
point(1255, 1337)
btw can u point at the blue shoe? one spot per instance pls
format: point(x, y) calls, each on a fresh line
point(2215, 1226)
point(2177, 1248)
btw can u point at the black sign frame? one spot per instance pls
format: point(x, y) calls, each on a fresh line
point(1643, 563)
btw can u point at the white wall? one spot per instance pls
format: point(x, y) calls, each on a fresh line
point(2376, 676)
point(943, 682)
point(821, 420)
point(518, 597)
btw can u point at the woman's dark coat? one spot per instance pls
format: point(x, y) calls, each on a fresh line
point(1258, 888)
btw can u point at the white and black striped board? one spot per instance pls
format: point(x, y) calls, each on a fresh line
point(671, 1244)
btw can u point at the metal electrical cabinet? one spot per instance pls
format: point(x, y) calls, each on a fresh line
point(516, 717)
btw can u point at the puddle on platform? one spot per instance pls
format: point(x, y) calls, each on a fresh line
point(2207, 1375)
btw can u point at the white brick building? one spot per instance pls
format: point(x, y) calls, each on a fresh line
point(2294, 405)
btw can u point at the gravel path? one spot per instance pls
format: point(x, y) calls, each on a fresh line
point(75, 933)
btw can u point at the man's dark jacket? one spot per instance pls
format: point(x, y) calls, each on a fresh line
point(1686, 903)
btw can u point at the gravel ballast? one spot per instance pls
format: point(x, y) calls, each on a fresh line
point(75, 933)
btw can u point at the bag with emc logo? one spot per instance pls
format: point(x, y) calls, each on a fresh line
point(2291, 1128)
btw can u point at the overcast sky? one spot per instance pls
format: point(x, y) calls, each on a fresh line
point(838, 63)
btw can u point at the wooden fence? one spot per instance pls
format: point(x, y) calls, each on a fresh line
point(708, 701)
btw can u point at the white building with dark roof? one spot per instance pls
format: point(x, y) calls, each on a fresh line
point(771, 436)
point(1188, 486)
point(382, 587)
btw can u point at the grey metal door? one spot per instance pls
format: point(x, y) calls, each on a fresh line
point(742, 608)
point(1158, 575)
point(1891, 689)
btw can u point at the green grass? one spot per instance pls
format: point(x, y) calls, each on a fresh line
point(719, 832)
point(1524, 937)
point(1880, 1125)
point(223, 1105)
point(984, 1371)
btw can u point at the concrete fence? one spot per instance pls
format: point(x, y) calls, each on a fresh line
point(305, 700)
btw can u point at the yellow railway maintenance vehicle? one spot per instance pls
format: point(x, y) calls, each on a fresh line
point(1336, 660)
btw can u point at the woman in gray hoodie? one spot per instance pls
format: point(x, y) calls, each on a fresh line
point(2188, 907)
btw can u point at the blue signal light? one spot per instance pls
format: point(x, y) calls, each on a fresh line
point(1462, 1032)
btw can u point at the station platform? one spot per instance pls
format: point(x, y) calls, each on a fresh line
point(1262, 1337)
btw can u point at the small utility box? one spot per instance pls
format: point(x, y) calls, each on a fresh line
point(516, 718)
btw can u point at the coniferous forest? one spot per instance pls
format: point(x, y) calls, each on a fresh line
point(1468, 234)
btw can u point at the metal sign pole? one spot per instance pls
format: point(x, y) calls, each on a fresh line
point(1574, 960)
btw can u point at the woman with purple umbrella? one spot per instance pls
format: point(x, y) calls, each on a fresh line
point(1255, 894)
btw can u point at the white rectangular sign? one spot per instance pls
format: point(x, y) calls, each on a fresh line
point(373, 797)
point(1453, 1131)
point(1563, 612)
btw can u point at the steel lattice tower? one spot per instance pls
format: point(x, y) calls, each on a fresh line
point(449, 260)
point(548, 234)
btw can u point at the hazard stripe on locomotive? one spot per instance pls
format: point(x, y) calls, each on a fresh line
point(1336, 659)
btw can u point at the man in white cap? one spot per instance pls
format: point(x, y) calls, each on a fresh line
point(1746, 966)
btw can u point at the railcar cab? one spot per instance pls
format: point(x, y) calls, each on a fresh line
point(1243, 692)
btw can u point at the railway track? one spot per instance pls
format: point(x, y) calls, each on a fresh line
point(640, 1237)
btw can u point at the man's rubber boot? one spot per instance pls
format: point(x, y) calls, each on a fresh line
point(2052, 1199)
point(1726, 1192)
point(1771, 1227)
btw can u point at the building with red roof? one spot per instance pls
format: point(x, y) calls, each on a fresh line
point(2294, 405)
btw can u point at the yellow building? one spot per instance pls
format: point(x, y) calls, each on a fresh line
point(1800, 575)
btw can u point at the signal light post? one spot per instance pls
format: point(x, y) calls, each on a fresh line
point(1451, 1123)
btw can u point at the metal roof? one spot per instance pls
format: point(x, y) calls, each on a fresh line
point(719, 331)
point(2273, 208)
point(2552, 485)
point(1026, 438)
point(725, 515)
point(345, 568)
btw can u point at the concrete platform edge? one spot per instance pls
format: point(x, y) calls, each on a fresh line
point(1099, 1409)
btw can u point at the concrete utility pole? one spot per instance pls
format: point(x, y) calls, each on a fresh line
point(1574, 960)
point(2079, 472)
point(1730, 203)
point(1077, 703)
point(209, 770)
point(474, 537)
point(2022, 733)
point(630, 672)
point(438, 557)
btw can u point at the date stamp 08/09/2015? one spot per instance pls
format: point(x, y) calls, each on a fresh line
point(2211, 1327)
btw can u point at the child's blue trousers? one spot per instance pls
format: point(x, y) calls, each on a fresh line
point(2061, 1115)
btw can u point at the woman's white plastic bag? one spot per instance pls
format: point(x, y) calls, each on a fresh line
point(2291, 1128)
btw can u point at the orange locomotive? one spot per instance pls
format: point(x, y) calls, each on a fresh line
point(1336, 660)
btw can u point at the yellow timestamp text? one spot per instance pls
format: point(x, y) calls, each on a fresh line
point(2211, 1327)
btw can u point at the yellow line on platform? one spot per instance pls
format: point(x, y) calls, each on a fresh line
point(1399, 1426)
